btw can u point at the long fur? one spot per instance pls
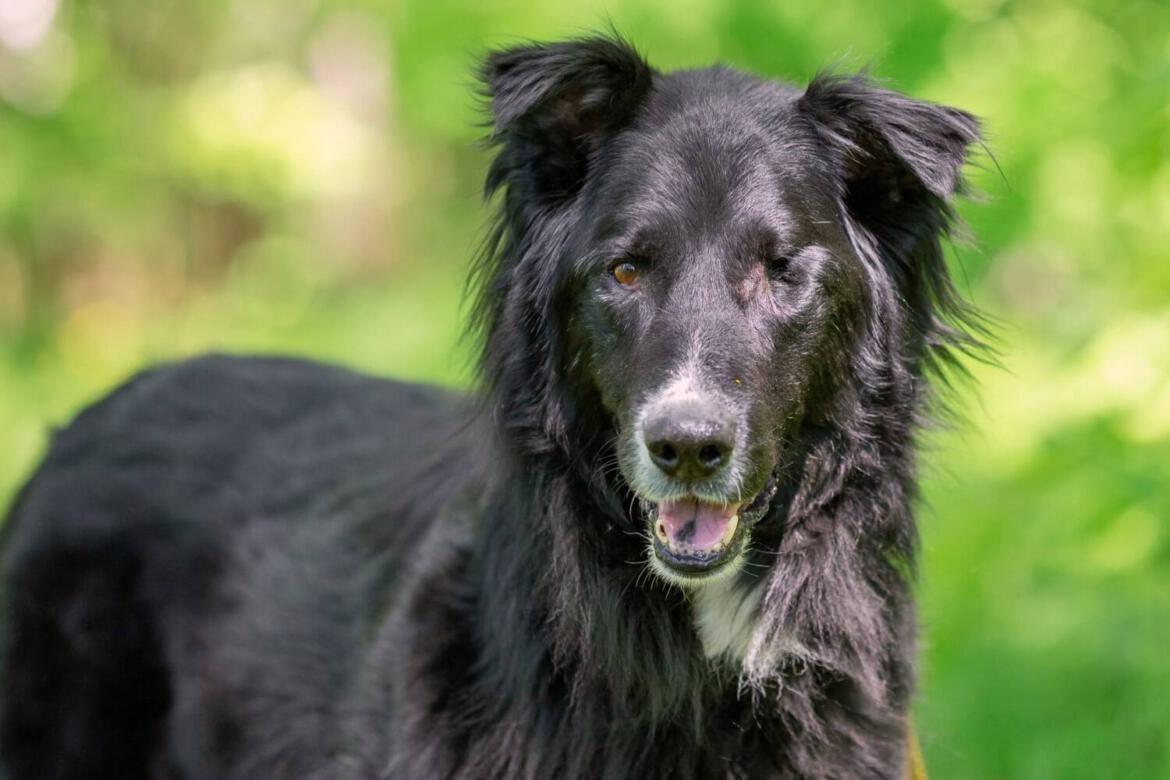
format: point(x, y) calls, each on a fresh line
point(241, 568)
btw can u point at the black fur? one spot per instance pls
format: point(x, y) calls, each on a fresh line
point(243, 568)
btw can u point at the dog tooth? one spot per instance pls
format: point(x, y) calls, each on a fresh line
point(732, 524)
point(660, 530)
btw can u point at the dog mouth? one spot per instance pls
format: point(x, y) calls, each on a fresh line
point(694, 539)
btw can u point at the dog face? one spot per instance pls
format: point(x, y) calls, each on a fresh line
point(705, 253)
point(718, 290)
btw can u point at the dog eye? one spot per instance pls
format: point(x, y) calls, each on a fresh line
point(779, 268)
point(625, 272)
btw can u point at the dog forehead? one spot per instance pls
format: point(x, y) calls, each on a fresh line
point(713, 146)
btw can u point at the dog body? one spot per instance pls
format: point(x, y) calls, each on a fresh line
point(671, 537)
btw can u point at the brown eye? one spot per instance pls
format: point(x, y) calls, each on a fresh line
point(626, 273)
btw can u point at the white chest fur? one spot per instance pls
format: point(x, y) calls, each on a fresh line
point(725, 616)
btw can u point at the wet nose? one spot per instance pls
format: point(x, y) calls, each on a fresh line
point(691, 440)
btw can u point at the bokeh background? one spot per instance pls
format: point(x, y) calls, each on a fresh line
point(303, 176)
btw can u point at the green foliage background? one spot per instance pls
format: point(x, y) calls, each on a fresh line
point(303, 175)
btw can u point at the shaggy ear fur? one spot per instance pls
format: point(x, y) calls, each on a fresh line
point(554, 105)
point(901, 162)
point(889, 137)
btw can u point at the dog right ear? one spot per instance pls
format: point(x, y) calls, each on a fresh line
point(554, 105)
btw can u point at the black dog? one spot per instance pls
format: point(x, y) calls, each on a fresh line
point(672, 538)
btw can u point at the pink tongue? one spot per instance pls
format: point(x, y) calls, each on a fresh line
point(695, 524)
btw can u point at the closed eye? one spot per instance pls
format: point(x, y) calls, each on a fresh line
point(780, 269)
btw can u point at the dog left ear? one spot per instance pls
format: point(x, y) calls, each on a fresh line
point(901, 163)
point(553, 106)
point(890, 138)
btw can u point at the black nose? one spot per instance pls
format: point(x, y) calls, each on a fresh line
point(689, 441)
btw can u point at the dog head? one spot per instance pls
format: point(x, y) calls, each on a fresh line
point(716, 266)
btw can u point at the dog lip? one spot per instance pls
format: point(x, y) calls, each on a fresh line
point(686, 561)
point(694, 561)
point(749, 513)
point(755, 509)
